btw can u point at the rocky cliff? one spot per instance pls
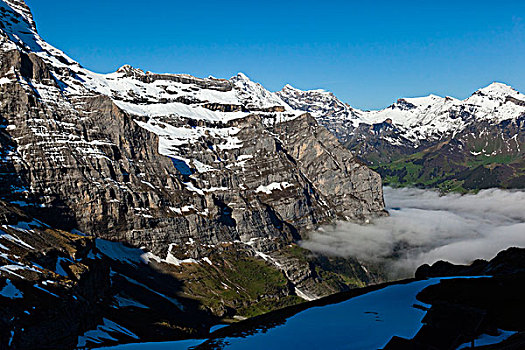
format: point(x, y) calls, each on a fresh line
point(158, 159)
point(60, 290)
point(215, 180)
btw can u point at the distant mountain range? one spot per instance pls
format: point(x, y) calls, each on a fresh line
point(431, 141)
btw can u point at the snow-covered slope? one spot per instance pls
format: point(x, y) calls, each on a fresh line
point(219, 100)
point(200, 125)
point(473, 143)
point(432, 115)
point(336, 116)
point(180, 109)
point(138, 91)
point(167, 100)
point(419, 118)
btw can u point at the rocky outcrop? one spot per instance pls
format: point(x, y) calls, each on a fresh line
point(58, 288)
point(338, 117)
point(507, 262)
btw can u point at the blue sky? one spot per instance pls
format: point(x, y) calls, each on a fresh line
point(369, 53)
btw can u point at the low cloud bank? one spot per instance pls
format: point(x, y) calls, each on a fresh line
point(424, 227)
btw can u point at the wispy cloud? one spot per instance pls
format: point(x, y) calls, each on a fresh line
point(424, 227)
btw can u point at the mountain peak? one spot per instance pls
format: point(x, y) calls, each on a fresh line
point(242, 79)
point(242, 76)
point(18, 25)
point(496, 88)
point(422, 100)
point(130, 71)
point(21, 7)
point(321, 93)
point(289, 87)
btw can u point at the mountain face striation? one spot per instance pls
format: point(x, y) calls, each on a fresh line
point(214, 180)
point(431, 141)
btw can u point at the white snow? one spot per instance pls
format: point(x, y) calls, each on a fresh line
point(178, 345)
point(59, 269)
point(172, 300)
point(184, 209)
point(14, 239)
point(26, 226)
point(123, 301)
point(244, 157)
point(176, 107)
point(252, 243)
point(303, 295)
point(11, 338)
point(45, 290)
point(171, 259)
point(254, 95)
point(418, 118)
point(119, 252)
point(179, 110)
point(172, 138)
point(273, 186)
point(15, 266)
point(10, 291)
point(191, 187)
point(217, 327)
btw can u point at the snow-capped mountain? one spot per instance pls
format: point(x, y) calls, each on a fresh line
point(488, 125)
point(215, 180)
point(199, 122)
point(335, 115)
point(420, 118)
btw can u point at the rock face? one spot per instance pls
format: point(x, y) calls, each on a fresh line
point(158, 159)
point(214, 179)
point(337, 116)
point(431, 141)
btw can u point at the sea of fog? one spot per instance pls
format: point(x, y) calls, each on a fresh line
point(424, 227)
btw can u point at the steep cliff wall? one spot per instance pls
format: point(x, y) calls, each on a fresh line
point(214, 179)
